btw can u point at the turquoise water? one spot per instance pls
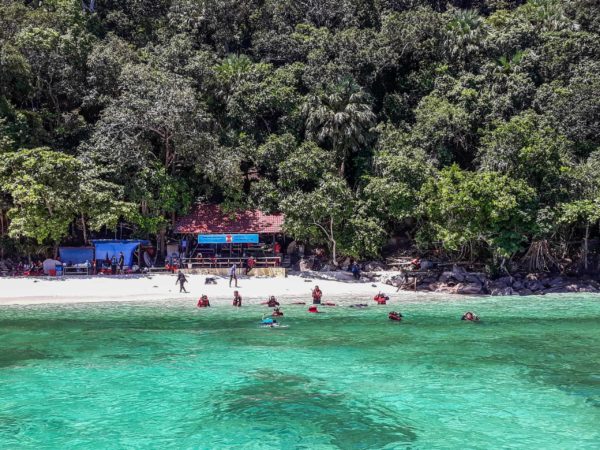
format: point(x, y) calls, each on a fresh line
point(172, 376)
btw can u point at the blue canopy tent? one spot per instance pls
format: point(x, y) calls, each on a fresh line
point(109, 248)
point(76, 255)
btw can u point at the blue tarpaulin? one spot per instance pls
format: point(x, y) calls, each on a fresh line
point(111, 248)
point(228, 238)
point(76, 255)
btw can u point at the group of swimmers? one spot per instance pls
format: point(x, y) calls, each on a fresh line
point(317, 295)
point(469, 316)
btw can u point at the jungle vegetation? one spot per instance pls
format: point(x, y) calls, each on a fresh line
point(469, 127)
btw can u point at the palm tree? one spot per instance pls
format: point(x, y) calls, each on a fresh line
point(464, 33)
point(231, 72)
point(340, 118)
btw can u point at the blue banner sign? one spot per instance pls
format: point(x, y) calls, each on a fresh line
point(228, 239)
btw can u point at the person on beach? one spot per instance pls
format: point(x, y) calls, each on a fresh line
point(316, 295)
point(121, 262)
point(250, 263)
point(272, 302)
point(233, 275)
point(113, 265)
point(350, 264)
point(237, 299)
point(203, 302)
point(181, 279)
point(356, 271)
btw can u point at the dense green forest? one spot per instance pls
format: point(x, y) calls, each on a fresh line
point(472, 127)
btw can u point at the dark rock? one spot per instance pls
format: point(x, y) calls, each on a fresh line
point(445, 277)
point(442, 287)
point(502, 291)
point(469, 288)
point(525, 291)
point(505, 281)
point(374, 266)
point(534, 285)
point(459, 270)
point(556, 282)
point(517, 284)
point(429, 279)
point(475, 278)
point(555, 290)
point(306, 264)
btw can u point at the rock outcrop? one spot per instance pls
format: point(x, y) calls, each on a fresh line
point(458, 281)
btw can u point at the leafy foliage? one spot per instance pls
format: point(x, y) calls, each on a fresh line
point(462, 123)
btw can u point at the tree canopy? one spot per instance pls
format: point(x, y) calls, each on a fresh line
point(468, 126)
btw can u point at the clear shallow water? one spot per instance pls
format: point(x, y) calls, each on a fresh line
point(172, 376)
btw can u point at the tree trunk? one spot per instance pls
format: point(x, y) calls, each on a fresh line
point(585, 247)
point(1, 233)
point(161, 248)
point(84, 229)
point(333, 243)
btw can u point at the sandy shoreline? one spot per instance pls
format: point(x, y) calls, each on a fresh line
point(161, 287)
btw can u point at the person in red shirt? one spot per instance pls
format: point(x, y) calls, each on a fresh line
point(250, 263)
point(277, 248)
point(316, 295)
point(381, 298)
point(203, 302)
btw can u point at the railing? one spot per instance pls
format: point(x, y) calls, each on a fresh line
point(226, 262)
point(77, 270)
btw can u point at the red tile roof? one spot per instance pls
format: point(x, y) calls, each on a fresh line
point(209, 219)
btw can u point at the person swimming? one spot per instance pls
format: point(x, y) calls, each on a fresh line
point(272, 302)
point(277, 313)
point(268, 321)
point(313, 309)
point(394, 315)
point(203, 302)
point(381, 298)
point(470, 317)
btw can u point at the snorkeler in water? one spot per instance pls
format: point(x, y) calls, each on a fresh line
point(470, 317)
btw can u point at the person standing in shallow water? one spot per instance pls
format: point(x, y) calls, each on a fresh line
point(316, 295)
point(181, 279)
point(237, 299)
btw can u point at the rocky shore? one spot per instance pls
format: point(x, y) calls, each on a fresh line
point(459, 281)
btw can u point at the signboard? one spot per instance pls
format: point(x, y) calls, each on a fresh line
point(228, 239)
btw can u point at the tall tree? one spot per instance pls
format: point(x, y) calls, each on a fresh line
point(340, 117)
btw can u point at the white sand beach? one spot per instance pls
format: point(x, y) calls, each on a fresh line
point(162, 287)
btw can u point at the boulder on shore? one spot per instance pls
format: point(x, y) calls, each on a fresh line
point(469, 288)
